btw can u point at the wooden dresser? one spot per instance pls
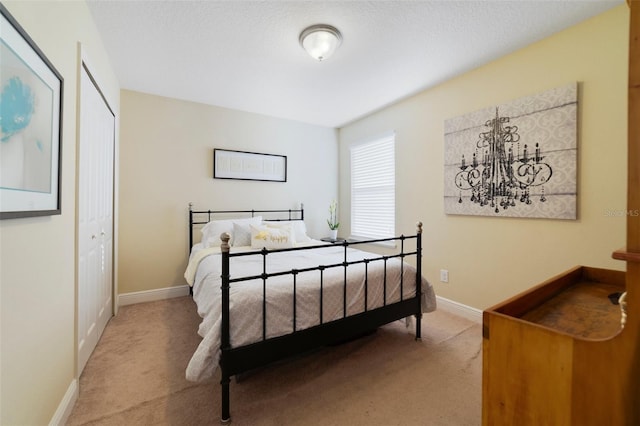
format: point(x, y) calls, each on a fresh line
point(557, 353)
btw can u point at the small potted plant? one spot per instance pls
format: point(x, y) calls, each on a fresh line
point(333, 219)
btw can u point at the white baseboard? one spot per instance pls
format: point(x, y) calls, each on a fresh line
point(124, 299)
point(152, 295)
point(459, 309)
point(63, 412)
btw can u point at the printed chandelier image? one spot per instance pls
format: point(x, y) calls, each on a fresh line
point(501, 178)
point(516, 159)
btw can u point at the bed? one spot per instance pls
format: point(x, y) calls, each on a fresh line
point(266, 291)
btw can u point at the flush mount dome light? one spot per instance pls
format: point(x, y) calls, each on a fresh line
point(320, 41)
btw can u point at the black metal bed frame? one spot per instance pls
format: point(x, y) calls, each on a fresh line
point(236, 360)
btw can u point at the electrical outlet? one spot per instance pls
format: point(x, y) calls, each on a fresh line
point(444, 275)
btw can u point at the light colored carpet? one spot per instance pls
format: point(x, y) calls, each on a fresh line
point(136, 377)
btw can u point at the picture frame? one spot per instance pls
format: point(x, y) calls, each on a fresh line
point(244, 165)
point(31, 98)
point(515, 159)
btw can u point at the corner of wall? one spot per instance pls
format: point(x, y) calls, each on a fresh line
point(65, 407)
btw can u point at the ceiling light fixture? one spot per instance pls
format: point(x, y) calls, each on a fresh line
point(320, 41)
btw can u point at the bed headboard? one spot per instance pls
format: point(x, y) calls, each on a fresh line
point(202, 217)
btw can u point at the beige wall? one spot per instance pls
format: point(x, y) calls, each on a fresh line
point(37, 255)
point(166, 161)
point(489, 258)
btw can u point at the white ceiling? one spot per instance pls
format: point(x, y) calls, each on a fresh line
point(245, 55)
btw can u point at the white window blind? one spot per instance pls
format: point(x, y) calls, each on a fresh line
point(373, 180)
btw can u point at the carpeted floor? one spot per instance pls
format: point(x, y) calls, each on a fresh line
point(136, 377)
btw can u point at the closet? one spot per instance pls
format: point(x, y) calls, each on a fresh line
point(558, 354)
point(95, 216)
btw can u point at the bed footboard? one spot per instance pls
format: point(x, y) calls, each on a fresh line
point(235, 360)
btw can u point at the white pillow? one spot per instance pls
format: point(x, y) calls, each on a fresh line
point(299, 229)
point(271, 237)
point(212, 230)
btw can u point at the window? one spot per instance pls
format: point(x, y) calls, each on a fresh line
point(373, 178)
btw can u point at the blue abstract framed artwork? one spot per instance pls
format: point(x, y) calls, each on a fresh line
point(30, 126)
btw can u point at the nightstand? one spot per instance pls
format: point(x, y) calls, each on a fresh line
point(333, 241)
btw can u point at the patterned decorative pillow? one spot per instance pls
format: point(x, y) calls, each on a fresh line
point(241, 234)
point(212, 230)
point(271, 238)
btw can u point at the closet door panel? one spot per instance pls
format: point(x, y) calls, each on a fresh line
point(95, 217)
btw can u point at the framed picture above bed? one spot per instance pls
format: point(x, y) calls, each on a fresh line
point(30, 125)
point(245, 165)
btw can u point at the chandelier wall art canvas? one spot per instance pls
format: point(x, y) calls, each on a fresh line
point(517, 159)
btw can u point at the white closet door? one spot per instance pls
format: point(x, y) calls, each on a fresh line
point(95, 217)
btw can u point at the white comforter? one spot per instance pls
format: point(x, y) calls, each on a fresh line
point(245, 317)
